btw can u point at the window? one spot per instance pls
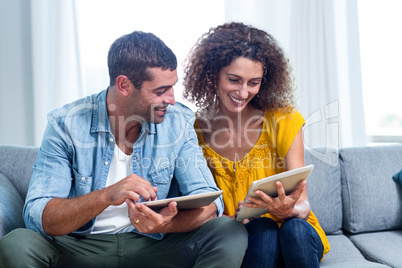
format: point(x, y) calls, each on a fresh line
point(381, 59)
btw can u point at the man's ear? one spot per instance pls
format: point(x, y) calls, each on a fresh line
point(124, 85)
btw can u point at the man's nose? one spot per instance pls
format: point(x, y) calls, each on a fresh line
point(170, 97)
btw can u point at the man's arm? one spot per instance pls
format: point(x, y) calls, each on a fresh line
point(63, 216)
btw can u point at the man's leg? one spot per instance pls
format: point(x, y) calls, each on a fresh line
point(27, 248)
point(263, 249)
point(220, 242)
point(24, 248)
point(300, 244)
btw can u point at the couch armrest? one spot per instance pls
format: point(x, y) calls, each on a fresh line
point(10, 207)
point(16, 164)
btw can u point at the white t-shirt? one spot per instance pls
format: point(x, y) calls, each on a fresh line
point(114, 219)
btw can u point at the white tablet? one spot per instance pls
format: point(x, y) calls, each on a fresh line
point(289, 179)
point(186, 202)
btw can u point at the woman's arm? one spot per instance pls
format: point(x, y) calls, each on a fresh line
point(295, 155)
point(295, 159)
point(296, 203)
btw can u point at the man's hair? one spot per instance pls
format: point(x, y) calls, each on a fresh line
point(133, 54)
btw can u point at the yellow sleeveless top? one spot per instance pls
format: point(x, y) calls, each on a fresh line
point(266, 158)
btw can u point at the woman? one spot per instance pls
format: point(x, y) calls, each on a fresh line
point(249, 129)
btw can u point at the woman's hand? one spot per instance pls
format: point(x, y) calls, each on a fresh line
point(283, 206)
point(239, 205)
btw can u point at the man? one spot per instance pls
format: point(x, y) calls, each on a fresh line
point(104, 154)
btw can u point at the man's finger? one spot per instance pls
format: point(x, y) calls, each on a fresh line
point(173, 207)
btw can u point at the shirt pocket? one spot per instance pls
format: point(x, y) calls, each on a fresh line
point(163, 175)
point(162, 178)
point(82, 184)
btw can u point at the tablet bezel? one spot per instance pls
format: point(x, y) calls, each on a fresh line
point(289, 179)
point(186, 202)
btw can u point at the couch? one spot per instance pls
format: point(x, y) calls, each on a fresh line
point(350, 190)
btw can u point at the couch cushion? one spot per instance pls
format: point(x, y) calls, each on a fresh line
point(345, 255)
point(16, 164)
point(372, 201)
point(324, 188)
point(10, 207)
point(382, 247)
point(398, 178)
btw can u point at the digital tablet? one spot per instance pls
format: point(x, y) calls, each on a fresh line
point(289, 179)
point(186, 202)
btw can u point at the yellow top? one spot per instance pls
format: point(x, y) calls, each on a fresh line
point(266, 158)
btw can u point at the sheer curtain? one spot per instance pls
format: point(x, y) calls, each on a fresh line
point(56, 64)
point(43, 67)
point(16, 108)
point(321, 40)
point(41, 62)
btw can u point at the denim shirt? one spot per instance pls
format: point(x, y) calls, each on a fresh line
point(77, 149)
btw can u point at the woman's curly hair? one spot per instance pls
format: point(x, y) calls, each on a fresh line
point(217, 48)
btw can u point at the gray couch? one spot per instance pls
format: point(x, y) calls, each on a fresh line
point(358, 204)
point(351, 191)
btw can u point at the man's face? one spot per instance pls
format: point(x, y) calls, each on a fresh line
point(151, 101)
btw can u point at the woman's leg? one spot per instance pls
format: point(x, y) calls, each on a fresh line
point(300, 244)
point(263, 247)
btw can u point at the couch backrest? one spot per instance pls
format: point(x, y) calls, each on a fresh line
point(324, 188)
point(16, 164)
point(368, 199)
point(372, 201)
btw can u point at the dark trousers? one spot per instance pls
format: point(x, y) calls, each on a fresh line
point(220, 242)
point(295, 244)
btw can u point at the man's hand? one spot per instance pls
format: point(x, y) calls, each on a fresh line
point(62, 215)
point(131, 187)
point(146, 220)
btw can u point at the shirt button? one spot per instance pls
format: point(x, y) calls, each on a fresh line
point(111, 139)
point(171, 176)
point(83, 178)
point(106, 163)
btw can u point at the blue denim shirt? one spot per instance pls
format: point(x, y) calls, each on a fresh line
point(77, 149)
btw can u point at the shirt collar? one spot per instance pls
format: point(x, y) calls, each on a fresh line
point(100, 119)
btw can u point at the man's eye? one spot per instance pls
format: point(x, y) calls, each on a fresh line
point(160, 93)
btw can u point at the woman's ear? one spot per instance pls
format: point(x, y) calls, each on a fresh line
point(124, 85)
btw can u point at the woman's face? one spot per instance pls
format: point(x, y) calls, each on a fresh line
point(238, 83)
